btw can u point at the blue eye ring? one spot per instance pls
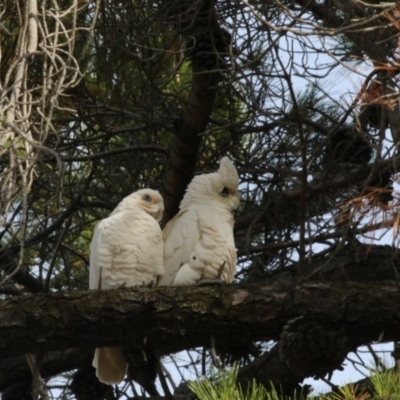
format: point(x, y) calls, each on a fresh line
point(147, 198)
point(225, 192)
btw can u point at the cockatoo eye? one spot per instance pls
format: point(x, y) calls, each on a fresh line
point(225, 192)
point(147, 198)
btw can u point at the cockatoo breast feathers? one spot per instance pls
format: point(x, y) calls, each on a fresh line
point(147, 199)
point(199, 241)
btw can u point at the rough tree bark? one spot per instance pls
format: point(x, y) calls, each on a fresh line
point(206, 76)
point(174, 319)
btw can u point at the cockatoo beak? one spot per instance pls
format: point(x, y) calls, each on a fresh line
point(158, 206)
point(238, 195)
point(237, 198)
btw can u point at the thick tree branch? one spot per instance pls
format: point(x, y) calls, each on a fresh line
point(363, 263)
point(183, 156)
point(174, 319)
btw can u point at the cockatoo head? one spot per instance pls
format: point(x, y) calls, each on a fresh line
point(221, 186)
point(147, 199)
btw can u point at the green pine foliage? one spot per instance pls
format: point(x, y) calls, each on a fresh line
point(384, 385)
point(222, 386)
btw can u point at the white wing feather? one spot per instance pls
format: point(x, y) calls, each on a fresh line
point(207, 234)
point(181, 235)
point(98, 243)
point(190, 272)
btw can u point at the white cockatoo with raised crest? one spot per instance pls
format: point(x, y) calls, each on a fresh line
point(199, 242)
point(126, 250)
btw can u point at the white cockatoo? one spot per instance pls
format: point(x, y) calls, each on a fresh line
point(199, 242)
point(126, 249)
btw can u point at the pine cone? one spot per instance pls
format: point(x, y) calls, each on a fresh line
point(349, 145)
point(310, 348)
